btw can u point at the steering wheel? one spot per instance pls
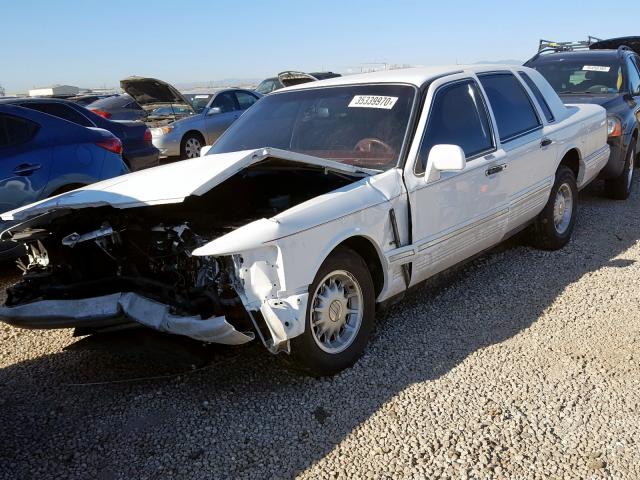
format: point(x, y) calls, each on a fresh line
point(372, 145)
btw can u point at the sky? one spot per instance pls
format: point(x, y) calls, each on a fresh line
point(92, 43)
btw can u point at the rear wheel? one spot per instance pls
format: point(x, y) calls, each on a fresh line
point(619, 188)
point(554, 225)
point(340, 316)
point(190, 146)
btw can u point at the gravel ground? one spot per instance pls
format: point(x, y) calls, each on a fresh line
point(524, 364)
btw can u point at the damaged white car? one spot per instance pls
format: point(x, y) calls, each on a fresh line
point(322, 202)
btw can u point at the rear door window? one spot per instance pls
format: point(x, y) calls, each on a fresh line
point(458, 116)
point(539, 96)
point(511, 105)
point(16, 131)
point(245, 100)
point(61, 111)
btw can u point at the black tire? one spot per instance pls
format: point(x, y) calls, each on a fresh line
point(619, 188)
point(190, 146)
point(546, 235)
point(306, 354)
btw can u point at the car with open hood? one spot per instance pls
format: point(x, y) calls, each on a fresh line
point(606, 73)
point(181, 127)
point(322, 202)
point(289, 79)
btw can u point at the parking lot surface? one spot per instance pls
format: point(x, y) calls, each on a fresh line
point(523, 364)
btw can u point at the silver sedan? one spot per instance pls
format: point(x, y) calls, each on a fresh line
point(212, 114)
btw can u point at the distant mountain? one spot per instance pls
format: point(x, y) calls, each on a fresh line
point(504, 62)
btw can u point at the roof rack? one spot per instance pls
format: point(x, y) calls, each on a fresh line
point(549, 46)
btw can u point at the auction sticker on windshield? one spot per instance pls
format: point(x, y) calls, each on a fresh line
point(373, 101)
point(596, 68)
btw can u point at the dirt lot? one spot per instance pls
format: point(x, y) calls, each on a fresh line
point(525, 364)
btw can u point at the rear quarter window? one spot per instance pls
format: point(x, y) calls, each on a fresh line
point(539, 96)
point(16, 131)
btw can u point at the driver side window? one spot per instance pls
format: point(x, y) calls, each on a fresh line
point(225, 101)
point(458, 116)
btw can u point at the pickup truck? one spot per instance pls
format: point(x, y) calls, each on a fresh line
point(322, 202)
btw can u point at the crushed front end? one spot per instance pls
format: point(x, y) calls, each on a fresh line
point(103, 269)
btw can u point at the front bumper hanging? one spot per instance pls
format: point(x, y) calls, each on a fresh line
point(117, 308)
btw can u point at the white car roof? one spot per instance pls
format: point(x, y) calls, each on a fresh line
point(413, 76)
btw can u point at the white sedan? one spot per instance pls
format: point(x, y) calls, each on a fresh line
point(322, 202)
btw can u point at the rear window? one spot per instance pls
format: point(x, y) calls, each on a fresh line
point(61, 111)
point(514, 112)
point(15, 130)
point(121, 101)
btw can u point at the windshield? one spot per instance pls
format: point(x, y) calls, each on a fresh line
point(267, 86)
point(198, 101)
point(582, 75)
point(363, 125)
point(170, 110)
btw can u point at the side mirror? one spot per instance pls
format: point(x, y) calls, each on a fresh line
point(449, 158)
point(214, 111)
point(204, 150)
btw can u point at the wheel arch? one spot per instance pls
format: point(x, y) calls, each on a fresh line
point(193, 132)
point(572, 159)
point(365, 247)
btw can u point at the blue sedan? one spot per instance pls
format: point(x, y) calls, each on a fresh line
point(42, 155)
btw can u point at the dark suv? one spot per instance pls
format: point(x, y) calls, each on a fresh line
point(606, 72)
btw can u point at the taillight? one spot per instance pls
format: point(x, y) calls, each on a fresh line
point(112, 144)
point(102, 113)
point(147, 136)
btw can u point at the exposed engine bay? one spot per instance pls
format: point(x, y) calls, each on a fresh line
point(97, 252)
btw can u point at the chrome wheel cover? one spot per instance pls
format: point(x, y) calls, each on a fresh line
point(563, 208)
point(337, 309)
point(192, 147)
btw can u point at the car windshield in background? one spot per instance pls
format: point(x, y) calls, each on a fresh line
point(198, 101)
point(363, 125)
point(583, 76)
point(170, 110)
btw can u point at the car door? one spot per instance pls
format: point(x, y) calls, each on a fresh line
point(222, 112)
point(24, 164)
point(526, 144)
point(455, 214)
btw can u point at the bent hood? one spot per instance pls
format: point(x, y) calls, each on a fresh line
point(150, 91)
point(171, 183)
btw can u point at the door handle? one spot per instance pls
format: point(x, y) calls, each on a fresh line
point(495, 169)
point(545, 142)
point(27, 168)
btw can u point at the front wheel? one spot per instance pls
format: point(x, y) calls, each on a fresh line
point(554, 225)
point(190, 146)
point(619, 188)
point(340, 316)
